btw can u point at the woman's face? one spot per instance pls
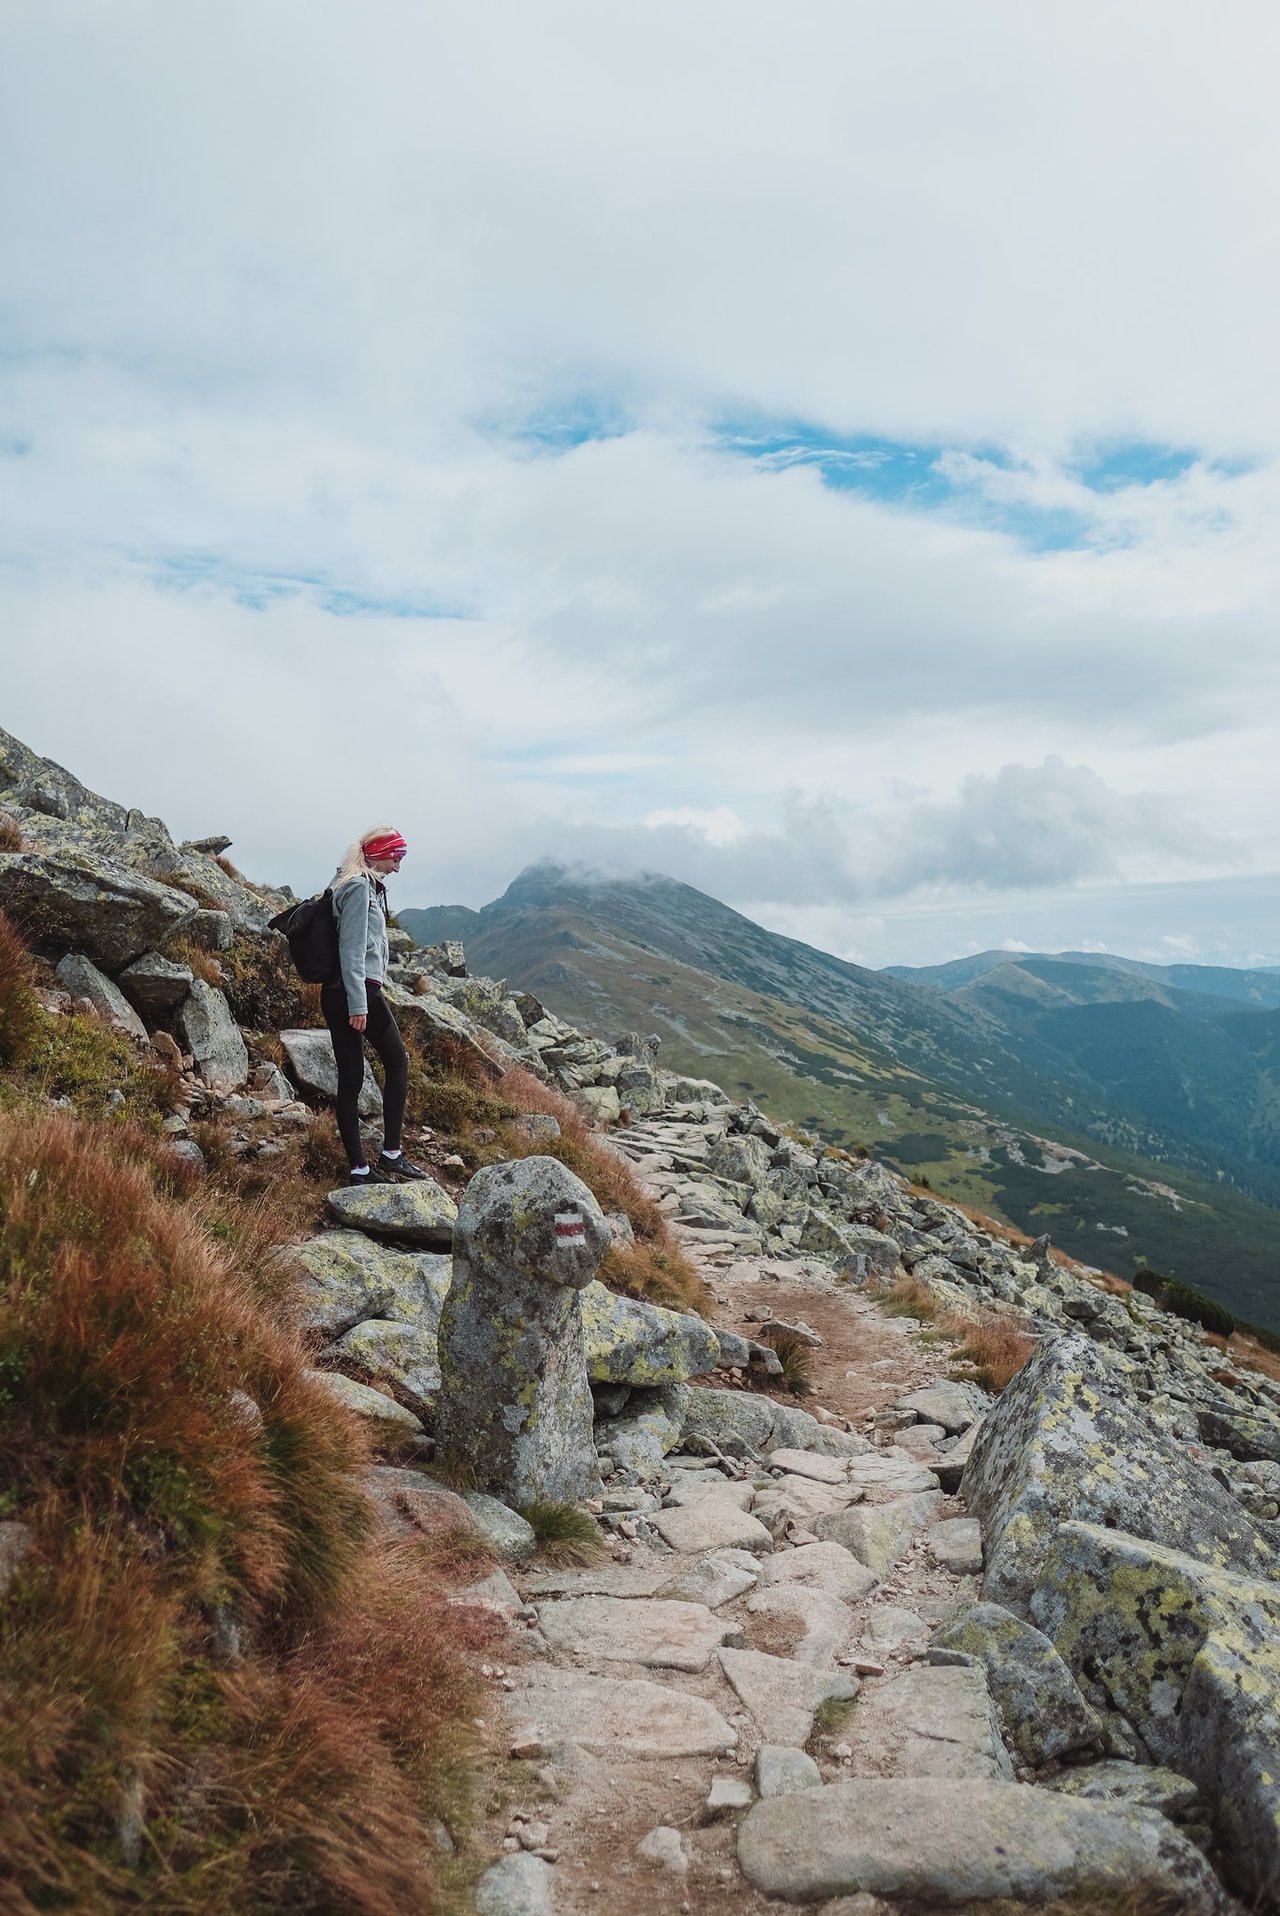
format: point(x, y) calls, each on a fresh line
point(384, 865)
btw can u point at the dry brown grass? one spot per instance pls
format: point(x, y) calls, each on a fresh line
point(22, 1021)
point(10, 833)
point(990, 1348)
point(300, 1776)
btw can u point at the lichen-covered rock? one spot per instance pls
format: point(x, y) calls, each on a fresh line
point(85, 902)
point(348, 1277)
point(1067, 1440)
point(652, 1426)
point(1190, 1654)
point(213, 1038)
point(934, 1841)
point(81, 977)
point(392, 1353)
point(1043, 1711)
point(515, 1401)
point(954, 1406)
point(744, 1159)
point(432, 1020)
point(630, 1342)
point(418, 1213)
point(1144, 1786)
point(1251, 1436)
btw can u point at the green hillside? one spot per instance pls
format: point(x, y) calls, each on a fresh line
point(856, 1067)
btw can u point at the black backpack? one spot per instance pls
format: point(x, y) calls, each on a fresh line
point(312, 934)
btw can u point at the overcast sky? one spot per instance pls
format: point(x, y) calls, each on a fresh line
point(827, 451)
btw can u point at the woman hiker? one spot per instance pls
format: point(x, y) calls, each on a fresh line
point(355, 1009)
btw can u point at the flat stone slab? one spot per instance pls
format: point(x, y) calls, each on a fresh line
point(929, 1722)
point(780, 1771)
point(419, 1213)
point(820, 1566)
point(816, 1625)
point(716, 1579)
point(659, 1633)
point(713, 1523)
point(781, 1695)
point(963, 1842)
point(800, 1499)
point(409, 1503)
point(807, 1463)
point(956, 1544)
point(877, 1534)
point(891, 1470)
point(622, 1717)
point(888, 1627)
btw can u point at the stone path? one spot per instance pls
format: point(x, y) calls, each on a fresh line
point(769, 1631)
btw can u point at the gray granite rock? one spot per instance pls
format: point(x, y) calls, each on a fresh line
point(510, 1534)
point(81, 977)
point(929, 1722)
point(631, 1342)
point(780, 1770)
point(519, 1885)
point(82, 901)
point(155, 984)
point(1043, 1711)
point(213, 1038)
point(421, 1213)
point(1068, 1441)
point(781, 1695)
point(931, 1840)
point(515, 1402)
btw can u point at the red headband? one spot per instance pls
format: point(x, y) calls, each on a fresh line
point(389, 845)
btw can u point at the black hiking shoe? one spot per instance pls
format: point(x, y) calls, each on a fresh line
point(393, 1168)
point(374, 1175)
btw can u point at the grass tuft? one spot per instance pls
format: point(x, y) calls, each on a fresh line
point(566, 1535)
point(796, 1358)
point(22, 1021)
point(10, 833)
point(990, 1349)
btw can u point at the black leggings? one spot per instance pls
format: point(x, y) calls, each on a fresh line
point(383, 1034)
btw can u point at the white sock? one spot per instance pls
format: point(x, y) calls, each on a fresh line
point(359, 1170)
point(392, 1154)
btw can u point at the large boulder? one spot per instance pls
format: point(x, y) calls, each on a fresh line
point(88, 903)
point(213, 1038)
point(630, 1342)
point(1190, 1654)
point(933, 1841)
point(313, 1067)
point(515, 1401)
point(1067, 1441)
point(81, 977)
point(1252, 1436)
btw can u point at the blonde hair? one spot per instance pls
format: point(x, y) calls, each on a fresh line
point(354, 864)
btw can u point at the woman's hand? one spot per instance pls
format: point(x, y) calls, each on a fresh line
point(358, 1024)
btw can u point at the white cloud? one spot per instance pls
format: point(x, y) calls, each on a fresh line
point(286, 286)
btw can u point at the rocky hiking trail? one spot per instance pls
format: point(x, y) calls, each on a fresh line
point(756, 1695)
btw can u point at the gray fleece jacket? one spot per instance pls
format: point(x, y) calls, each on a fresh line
point(363, 947)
